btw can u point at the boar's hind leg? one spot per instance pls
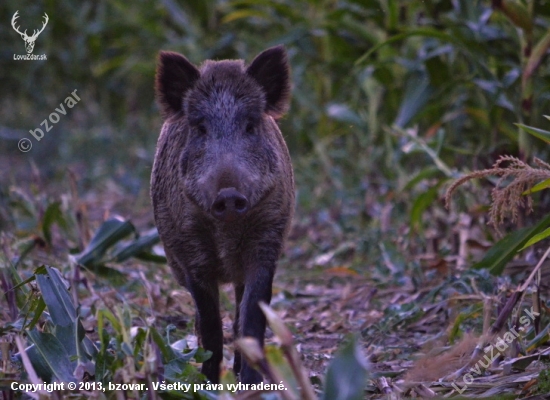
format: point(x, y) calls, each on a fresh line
point(208, 324)
point(252, 319)
point(239, 290)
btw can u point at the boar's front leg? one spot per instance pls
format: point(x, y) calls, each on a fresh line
point(239, 291)
point(208, 323)
point(257, 288)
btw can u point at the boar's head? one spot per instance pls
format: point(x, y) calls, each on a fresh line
point(226, 112)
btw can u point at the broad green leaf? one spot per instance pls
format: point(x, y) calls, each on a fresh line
point(343, 113)
point(103, 357)
point(455, 332)
point(517, 13)
point(346, 374)
point(127, 349)
point(421, 204)
point(359, 28)
point(438, 71)
point(417, 93)
point(38, 362)
point(56, 296)
point(52, 215)
point(201, 355)
point(166, 350)
point(538, 187)
point(139, 340)
point(90, 348)
point(392, 15)
point(227, 378)
point(49, 356)
point(71, 337)
point(538, 340)
point(177, 370)
point(115, 277)
point(111, 232)
point(148, 256)
point(25, 247)
point(505, 249)
point(248, 13)
point(537, 54)
point(279, 364)
point(29, 279)
point(537, 238)
point(37, 308)
point(106, 314)
point(135, 247)
point(536, 132)
point(425, 173)
point(425, 32)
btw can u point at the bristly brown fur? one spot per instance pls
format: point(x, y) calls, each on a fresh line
point(222, 188)
point(175, 76)
point(271, 70)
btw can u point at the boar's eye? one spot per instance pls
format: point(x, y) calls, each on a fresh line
point(249, 127)
point(201, 128)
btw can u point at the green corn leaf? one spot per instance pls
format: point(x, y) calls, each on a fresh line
point(53, 214)
point(536, 132)
point(421, 204)
point(537, 55)
point(537, 238)
point(56, 296)
point(72, 337)
point(518, 14)
point(417, 93)
point(504, 250)
point(240, 14)
point(278, 363)
point(424, 32)
point(545, 184)
point(166, 350)
point(150, 257)
point(112, 231)
point(346, 374)
point(136, 247)
point(424, 174)
point(38, 306)
point(115, 277)
point(49, 357)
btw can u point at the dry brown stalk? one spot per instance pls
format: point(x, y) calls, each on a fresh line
point(507, 195)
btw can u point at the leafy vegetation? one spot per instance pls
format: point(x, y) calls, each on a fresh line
point(392, 100)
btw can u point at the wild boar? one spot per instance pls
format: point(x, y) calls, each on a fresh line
point(222, 187)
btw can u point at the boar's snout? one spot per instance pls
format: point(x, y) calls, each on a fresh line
point(230, 205)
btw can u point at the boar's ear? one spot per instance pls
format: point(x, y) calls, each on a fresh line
point(270, 69)
point(175, 76)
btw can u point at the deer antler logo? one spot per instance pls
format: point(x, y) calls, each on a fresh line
point(29, 40)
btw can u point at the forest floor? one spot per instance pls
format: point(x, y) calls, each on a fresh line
point(418, 310)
